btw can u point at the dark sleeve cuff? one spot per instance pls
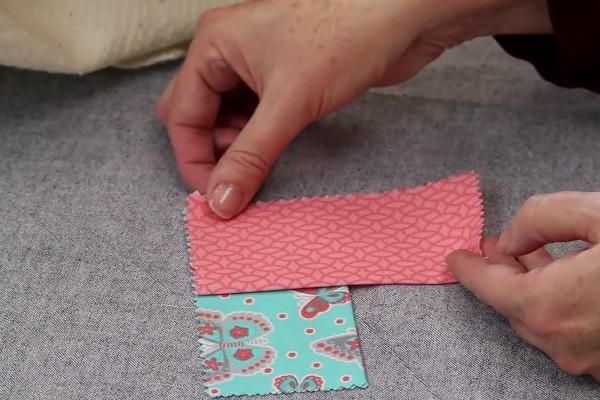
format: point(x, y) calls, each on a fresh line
point(570, 57)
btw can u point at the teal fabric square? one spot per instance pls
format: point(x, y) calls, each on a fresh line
point(279, 342)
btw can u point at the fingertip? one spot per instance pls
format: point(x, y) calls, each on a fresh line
point(236, 178)
point(226, 200)
point(458, 257)
point(464, 264)
point(491, 251)
point(489, 244)
point(489, 282)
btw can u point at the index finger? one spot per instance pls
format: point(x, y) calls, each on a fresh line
point(192, 114)
point(556, 217)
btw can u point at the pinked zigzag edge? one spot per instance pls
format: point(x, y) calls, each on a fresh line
point(478, 228)
point(193, 268)
point(200, 348)
point(262, 203)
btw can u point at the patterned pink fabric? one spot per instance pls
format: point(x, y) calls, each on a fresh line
point(401, 236)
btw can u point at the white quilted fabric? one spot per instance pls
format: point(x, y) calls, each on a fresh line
point(80, 36)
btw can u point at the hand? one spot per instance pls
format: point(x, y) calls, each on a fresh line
point(258, 72)
point(552, 304)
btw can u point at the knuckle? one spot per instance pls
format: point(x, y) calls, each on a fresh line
point(250, 162)
point(310, 101)
point(533, 203)
point(161, 110)
point(209, 16)
point(541, 321)
point(160, 113)
point(216, 17)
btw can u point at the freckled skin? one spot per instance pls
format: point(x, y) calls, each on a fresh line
point(259, 71)
point(303, 59)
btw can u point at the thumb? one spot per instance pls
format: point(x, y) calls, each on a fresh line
point(494, 284)
point(242, 169)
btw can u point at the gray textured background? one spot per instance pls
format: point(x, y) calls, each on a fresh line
point(95, 295)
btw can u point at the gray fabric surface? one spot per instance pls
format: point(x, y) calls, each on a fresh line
point(95, 294)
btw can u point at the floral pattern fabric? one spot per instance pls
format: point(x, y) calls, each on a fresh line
point(278, 342)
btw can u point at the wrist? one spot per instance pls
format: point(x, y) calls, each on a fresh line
point(525, 17)
point(512, 17)
point(488, 18)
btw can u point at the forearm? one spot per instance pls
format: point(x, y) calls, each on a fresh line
point(525, 17)
point(507, 18)
point(571, 56)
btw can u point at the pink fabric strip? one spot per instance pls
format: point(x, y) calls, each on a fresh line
point(400, 236)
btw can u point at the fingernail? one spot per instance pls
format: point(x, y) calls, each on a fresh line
point(503, 245)
point(225, 200)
